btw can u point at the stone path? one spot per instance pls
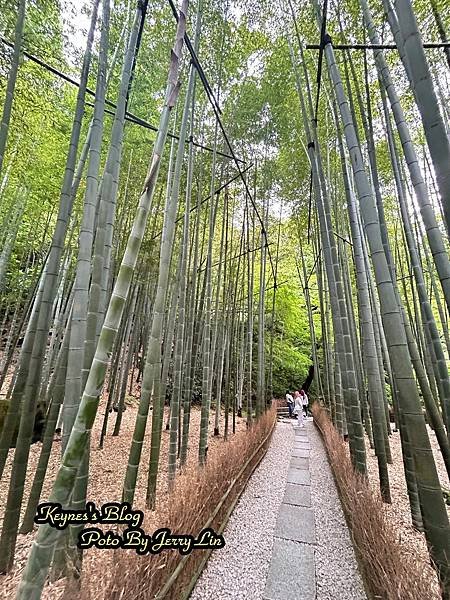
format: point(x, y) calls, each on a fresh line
point(312, 554)
point(292, 572)
point(287, 538)
point(239, 570)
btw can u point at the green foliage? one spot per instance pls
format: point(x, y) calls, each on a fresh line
point(244, 47)
point(291, 343)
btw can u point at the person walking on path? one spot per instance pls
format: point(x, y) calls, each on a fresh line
point(298, 408)
point(290, 402)
point(305, 401)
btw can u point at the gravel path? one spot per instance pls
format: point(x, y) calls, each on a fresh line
point(239, 570)
point(337, 573)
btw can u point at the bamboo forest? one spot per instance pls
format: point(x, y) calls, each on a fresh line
point(225, 299)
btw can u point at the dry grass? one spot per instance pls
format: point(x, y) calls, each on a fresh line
point(399, 512)
point(125, 575)
point(107, 472)
point(390, 570)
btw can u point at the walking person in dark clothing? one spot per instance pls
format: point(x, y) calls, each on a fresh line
point(290, 402)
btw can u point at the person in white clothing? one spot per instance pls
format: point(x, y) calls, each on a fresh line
point(305, 402)
point(298, 408)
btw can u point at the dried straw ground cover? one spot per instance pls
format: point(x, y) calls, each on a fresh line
point(398, 511)
point(109, 575)
point(391, 568)
point(196, 496)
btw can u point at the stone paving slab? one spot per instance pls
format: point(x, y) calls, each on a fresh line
point(302, 446)
point(298, 476)
point(296, 523)
point(299, 495)
point(291, 574)
point(299, 463)
point(300, 441)
point(300, 453)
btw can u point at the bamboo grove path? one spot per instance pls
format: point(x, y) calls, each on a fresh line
point(287, 538)
point(106, 271)
point(292, 567)
point(312, 554)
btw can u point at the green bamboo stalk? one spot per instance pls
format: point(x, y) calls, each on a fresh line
point(35, 572)
point(431, 331)
point(12, 231)
point(26, 388)
point(250, 283)
point(419, 75)
point(126, 360)
point(78, 330)
point(56, 393)
point(77, 361)
point(436, 291)
point(12, 78)
point(370, 361)
point(217, 343)
point(192, 334)
point(346, 371)
point(434, 235)
point(151, 383)
point(113, 373)
point(435, 519)
point(260, 382)
point(176, 402)
point(107, 200)
point(206, 331)
point(9, 425)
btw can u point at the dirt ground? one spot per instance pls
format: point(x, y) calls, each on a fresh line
point(399, 511)
point(107, 472)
